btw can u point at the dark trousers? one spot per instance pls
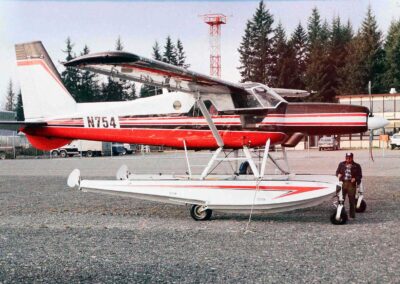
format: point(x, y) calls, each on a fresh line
point(349, 189)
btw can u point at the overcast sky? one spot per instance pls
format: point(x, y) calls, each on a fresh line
point(140, 23)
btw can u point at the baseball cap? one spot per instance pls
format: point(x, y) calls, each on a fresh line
point(349, 155)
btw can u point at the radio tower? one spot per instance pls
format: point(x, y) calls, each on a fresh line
point(215, 21)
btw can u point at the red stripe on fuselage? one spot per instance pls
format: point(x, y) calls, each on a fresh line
point(195, 139)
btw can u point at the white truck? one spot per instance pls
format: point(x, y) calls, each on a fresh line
point(395, 141)
point(79, 147)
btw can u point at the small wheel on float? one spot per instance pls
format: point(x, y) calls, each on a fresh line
point(89, 154)
point(363, 206)
point(342, 220)
point(198, 213)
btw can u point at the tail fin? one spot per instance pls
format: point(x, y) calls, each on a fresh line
point(43, 93)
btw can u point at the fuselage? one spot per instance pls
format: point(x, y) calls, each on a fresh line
point(191, 128)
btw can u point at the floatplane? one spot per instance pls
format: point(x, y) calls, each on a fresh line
point(199, 112)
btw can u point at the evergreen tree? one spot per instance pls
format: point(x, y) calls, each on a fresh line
point(118, 44)
point(170, 55)
point(19, 108)
point(298, 44)
point(156, 52)
point(314, 28)
point(392, 50)
point(70, 76)
point(246, 52)
point(317, 72)
point(10, 97)
point(338, 52)
point(148, 90)
point(88, 89)
point(256, 50)
point(180, 55)
point(115, 89)
point(279, 51)
point(366, 59)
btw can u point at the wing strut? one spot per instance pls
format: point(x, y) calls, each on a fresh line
point(210, 122)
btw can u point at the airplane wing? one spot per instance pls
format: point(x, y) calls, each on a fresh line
point(129, 66)
point(17, 125)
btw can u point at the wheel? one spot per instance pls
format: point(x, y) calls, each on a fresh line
point(342, 220)
point(2, 156)
point(363, 206)
point(89, 154)
point(392, 146)
point(63, 154)
point(199, 214)
point(54, 153)
point(319, 149)
point(123, 152)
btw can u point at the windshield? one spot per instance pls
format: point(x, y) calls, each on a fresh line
point(262, 95)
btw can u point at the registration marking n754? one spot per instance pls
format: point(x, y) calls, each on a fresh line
point(101, 122)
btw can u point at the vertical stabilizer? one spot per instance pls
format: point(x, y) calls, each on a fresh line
point(43, 93)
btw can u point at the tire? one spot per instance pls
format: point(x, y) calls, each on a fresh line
point(2, 156)
point(89, 154)
point(392, 146)
point(54, 154)
point(63, 154)
point(319, 149)
point(123, 152)
point(200, 216)
point(363, 206)
point(343, 218)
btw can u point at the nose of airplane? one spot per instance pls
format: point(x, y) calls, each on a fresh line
point(375, 122)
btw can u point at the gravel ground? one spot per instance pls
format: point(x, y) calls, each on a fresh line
point(49, 233)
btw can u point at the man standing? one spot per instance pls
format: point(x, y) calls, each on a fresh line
point(350, 174)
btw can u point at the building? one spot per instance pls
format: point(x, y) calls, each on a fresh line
point(384, 105)
point(7, 115)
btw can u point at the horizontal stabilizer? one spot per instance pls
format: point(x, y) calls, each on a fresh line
point(18, 125)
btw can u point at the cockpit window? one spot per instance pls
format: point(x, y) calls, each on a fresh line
point(261, 96)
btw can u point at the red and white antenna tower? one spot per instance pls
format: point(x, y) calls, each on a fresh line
point(215, 21)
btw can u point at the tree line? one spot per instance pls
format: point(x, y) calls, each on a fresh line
point(326, 57)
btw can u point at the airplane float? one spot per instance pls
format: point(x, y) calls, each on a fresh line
point(199, 112)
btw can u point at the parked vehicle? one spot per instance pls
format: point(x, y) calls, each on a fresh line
point(122, 149)
point(395, 141)
point(79, 147)
point(328, 142)
point(5, 151)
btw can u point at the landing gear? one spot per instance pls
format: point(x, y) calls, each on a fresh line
point(339, 216)
point(361, 206)
point(342, 217)
point(200, 213)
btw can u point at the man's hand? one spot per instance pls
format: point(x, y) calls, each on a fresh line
point(339, 176)
point(353, 180)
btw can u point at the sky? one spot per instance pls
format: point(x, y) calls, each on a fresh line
point(140, 23)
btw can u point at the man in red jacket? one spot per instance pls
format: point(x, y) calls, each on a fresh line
point(350, 173)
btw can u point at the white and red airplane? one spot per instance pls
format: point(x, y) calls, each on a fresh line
point(199, 112)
